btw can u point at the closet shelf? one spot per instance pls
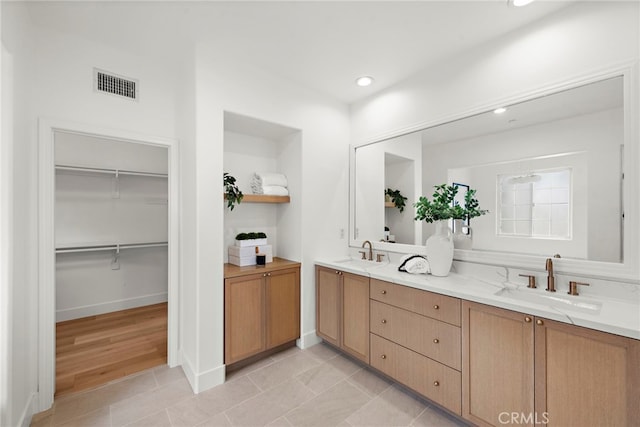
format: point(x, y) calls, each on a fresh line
point(263, 198)
point(115, 172)
point(112, 247)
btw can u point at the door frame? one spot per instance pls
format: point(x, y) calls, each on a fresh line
point(46, 243)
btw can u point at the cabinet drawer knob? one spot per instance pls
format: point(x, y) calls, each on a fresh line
point(436, 307)
point(527, 319)
point(384, 356)
point(539, 322)
point(436, 383)
point(337, 272)
point(264, 274)
point(436, 340)
point(383, 292)
point(384, 320)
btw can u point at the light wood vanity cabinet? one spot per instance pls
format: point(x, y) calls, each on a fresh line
point(551, 372)
point(262, 308)
point(415, 339)
point(342, 312)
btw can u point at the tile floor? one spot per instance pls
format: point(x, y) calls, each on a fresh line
point(313, 387)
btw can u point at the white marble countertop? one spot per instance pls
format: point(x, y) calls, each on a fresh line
point(619, 316)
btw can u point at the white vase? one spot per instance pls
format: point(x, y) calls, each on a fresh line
point(461, 240)
point(439, 248)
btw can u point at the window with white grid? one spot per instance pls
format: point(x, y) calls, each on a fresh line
point(536, 204)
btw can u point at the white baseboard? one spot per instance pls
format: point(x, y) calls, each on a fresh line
point(27, 412)
point(108, 307)
point(204, 381)
point(308, 340)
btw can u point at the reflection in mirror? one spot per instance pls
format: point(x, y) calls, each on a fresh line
point(549, 171)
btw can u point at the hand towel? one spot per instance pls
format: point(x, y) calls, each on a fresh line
point(269, 179)
point(271, 190)
point(414, 264)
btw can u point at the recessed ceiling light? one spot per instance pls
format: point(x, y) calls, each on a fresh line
point(499, 110)
point(364, 81)
point(520, 3)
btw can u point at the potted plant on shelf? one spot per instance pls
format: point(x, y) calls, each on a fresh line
point(396, 197)
point(443, 207)
point(231, 191)
point(251, 239)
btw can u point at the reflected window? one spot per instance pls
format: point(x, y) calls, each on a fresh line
point(537, 204)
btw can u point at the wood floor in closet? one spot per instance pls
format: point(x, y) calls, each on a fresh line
point(97, 349)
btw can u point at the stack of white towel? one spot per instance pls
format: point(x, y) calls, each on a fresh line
point(271, 184)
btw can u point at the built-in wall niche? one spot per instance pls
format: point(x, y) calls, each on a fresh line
point(399, 172)
point(111, 225)
point(253, 145)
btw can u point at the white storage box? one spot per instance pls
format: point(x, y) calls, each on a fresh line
point(251, 242)
point(242, 256)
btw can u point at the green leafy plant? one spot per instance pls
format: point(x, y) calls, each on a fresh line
point(397, 198)
point(231, 191)
point(251, 236)
point(444, 206)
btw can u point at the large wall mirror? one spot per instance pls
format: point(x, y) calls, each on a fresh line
point(550, 170)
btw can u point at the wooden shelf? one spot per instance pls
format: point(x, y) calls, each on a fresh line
point(389, 205)
point(262, 198)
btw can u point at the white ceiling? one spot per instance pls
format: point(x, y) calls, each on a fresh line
point(322, 45)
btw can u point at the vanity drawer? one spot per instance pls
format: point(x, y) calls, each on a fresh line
point(437, 340)
point(427, 303)
point(433, 380)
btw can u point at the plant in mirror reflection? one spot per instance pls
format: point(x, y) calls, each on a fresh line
point(444, 206)
point(397, 198)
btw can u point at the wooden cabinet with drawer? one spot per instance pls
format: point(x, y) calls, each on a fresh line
point(437, 340)
point(436, 306)
point(429, 378)
point(416, 340)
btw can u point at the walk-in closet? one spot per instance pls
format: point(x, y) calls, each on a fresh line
point(111, 278)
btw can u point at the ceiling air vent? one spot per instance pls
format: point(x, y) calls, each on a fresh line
point(113, 84)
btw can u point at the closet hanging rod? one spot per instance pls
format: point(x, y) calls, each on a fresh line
point(115, 247)
point(109, 171)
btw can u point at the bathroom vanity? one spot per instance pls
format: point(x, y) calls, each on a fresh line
point(468, 345)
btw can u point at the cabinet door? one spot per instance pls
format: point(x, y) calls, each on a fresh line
point(497, 365)
point(585, 377)
point(282, 300)
point(328, 297)
point(355, 315)
point(243, 317)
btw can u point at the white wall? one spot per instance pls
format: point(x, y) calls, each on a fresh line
point(19, 347)
point(223, 86)
point(53, 77)
point(576, 41)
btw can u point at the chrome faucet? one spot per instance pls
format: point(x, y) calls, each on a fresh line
point(551, 281)
point(370, 249)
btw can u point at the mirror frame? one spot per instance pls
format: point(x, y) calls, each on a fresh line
point(627, 271)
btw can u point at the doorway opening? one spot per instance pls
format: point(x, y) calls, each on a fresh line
point(108, 256)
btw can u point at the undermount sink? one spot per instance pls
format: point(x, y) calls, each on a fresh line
point(358, 263)
point(561, 302)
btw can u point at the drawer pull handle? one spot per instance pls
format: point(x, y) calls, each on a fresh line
point(436, 307)
point(527, 319)
point(539, 322)
point(383, 292)
point(384, 356)
point(436, 340)
point(436, 383)
point(384, 320)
